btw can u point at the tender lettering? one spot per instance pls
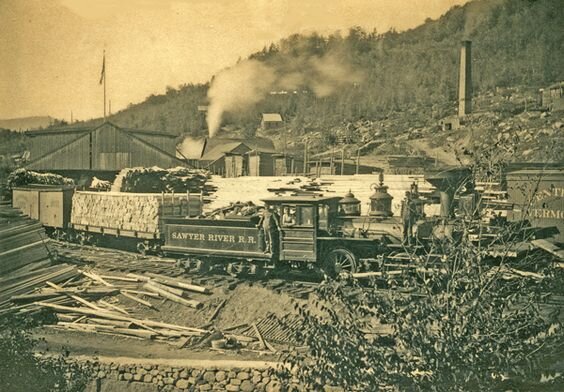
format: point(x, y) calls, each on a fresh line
point(212, 237)
point(187, 236)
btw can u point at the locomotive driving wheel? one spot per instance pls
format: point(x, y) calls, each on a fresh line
point(340, 261)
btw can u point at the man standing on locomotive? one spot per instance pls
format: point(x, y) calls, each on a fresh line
point(270, 226)
point(409, 216)
point(288, 217)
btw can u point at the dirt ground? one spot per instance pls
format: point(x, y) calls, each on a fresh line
point(245, 303)
point(84, 345)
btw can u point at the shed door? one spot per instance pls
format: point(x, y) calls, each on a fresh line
point(298, 243)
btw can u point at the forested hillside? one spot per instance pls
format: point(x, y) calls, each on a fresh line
point(515, 43)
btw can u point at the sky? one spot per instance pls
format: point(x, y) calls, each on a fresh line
point(51, 50)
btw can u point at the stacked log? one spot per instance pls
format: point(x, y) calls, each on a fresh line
point(21, 177)
point(139, 212)
point(156, 180)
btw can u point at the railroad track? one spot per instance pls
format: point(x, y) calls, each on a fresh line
point(114, 260)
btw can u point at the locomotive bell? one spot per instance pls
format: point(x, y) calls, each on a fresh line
point(349, 205)
point(381, 200)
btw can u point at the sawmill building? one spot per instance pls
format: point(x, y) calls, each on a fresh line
point(101, 148)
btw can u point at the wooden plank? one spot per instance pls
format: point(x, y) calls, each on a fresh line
point(233, 327)
point(137, 299)
point(259, 336)
point(120, 278)
point(96, 277)
point(75, 297)
point(113, 316)
point(176, 283)
point(549, 247)
point(216, 311)
point(115, 307)
point(172, 297)
point(140, 292)
point(115, 323)
point(171, 290)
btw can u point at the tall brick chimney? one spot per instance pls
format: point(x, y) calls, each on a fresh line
point(465, 79)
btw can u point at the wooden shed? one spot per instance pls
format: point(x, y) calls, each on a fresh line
point(106, 147)
point(287, 165)
point(271, 121)
point(337, 167)
point(552, 97)
point(218, 158)
point(235, 165)
point(260, 163)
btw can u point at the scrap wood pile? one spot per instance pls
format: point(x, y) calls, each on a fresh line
point(130, 211)
point(87, 301)
point(110, 318)
point(298, 187)
point(234, 210)
point(259, 336)
point(115, 260)
point(157, 180)
point(21, 177)
point(274, 329)
point(23, 241)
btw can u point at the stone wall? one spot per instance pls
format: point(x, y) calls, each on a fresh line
point(166, 378)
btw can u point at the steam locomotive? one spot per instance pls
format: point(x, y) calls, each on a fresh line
point(324, 231)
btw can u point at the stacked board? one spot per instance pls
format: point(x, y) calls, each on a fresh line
point(136, 212)
point(23, 240)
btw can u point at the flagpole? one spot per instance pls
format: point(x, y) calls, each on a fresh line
point(104, 85)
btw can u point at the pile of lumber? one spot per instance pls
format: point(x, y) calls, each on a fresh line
point(157, 180)
point(19, 289)
point(111, 318)
point(115, 260)
point(274, 329)
point(89, 301)
point(21, 177)
point(23, 241)
point(130, 211)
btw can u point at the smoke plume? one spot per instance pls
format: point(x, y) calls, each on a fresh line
point(250, 81)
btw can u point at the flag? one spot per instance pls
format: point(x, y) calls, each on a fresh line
point(103, 73)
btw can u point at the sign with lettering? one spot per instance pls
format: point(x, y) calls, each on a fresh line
point(224, 238)
point(539, 197)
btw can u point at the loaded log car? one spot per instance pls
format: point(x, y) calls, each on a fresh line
point(133, 219)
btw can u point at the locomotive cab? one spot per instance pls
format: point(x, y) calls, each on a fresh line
point(303, 219)
point(314, 234)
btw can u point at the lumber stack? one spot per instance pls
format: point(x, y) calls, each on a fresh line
point(20, 287)
point(130, 211)
point(23, 241)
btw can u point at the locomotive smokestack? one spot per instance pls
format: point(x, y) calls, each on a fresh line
point(465, 79)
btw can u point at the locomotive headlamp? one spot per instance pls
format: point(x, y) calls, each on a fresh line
point(381, 200)
point(349, 205)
